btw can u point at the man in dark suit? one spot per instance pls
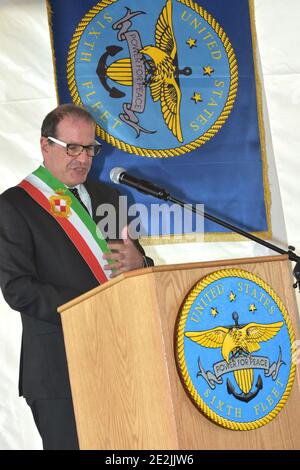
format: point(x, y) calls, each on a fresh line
point(41, 269)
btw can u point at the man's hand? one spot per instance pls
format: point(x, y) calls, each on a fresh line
point(125, 256)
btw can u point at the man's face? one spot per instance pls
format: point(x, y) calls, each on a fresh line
point(69, 170)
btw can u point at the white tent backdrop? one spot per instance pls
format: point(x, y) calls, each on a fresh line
point(27, 93)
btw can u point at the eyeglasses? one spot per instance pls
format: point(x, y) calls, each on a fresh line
point(74, 150)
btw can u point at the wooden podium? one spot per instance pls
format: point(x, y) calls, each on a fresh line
point(126, 391)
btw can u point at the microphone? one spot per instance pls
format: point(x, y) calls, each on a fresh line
point(120, 176)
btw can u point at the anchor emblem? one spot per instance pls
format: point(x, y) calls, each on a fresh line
point(246, 397)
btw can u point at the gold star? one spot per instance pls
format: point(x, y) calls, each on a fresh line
point(232, 296)
point(208, 70)
point(191, 42)
point(252, 308)
point(196, 97)
point(214, 312)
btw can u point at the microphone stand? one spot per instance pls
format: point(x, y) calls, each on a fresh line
point(162, 194)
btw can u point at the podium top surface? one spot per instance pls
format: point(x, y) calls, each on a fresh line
point(170, 267)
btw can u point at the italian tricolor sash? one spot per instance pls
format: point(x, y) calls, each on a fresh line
point(58, 201)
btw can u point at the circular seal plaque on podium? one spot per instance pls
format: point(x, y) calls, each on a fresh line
point(235, 349)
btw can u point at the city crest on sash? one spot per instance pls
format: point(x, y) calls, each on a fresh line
point(159, 77)
point(60, 204)
point(235, 349)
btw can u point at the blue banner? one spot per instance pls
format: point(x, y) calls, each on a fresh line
point(171, 84)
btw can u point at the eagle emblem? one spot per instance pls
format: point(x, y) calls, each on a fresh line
point(160, 79)
point(234, 347)
point(164, 83)
point(236, 341)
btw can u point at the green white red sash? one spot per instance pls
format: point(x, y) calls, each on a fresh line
point(78, 225)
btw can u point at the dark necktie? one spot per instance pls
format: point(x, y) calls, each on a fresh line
point(76, 194)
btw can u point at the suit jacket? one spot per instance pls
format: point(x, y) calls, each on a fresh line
point(40, 269)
